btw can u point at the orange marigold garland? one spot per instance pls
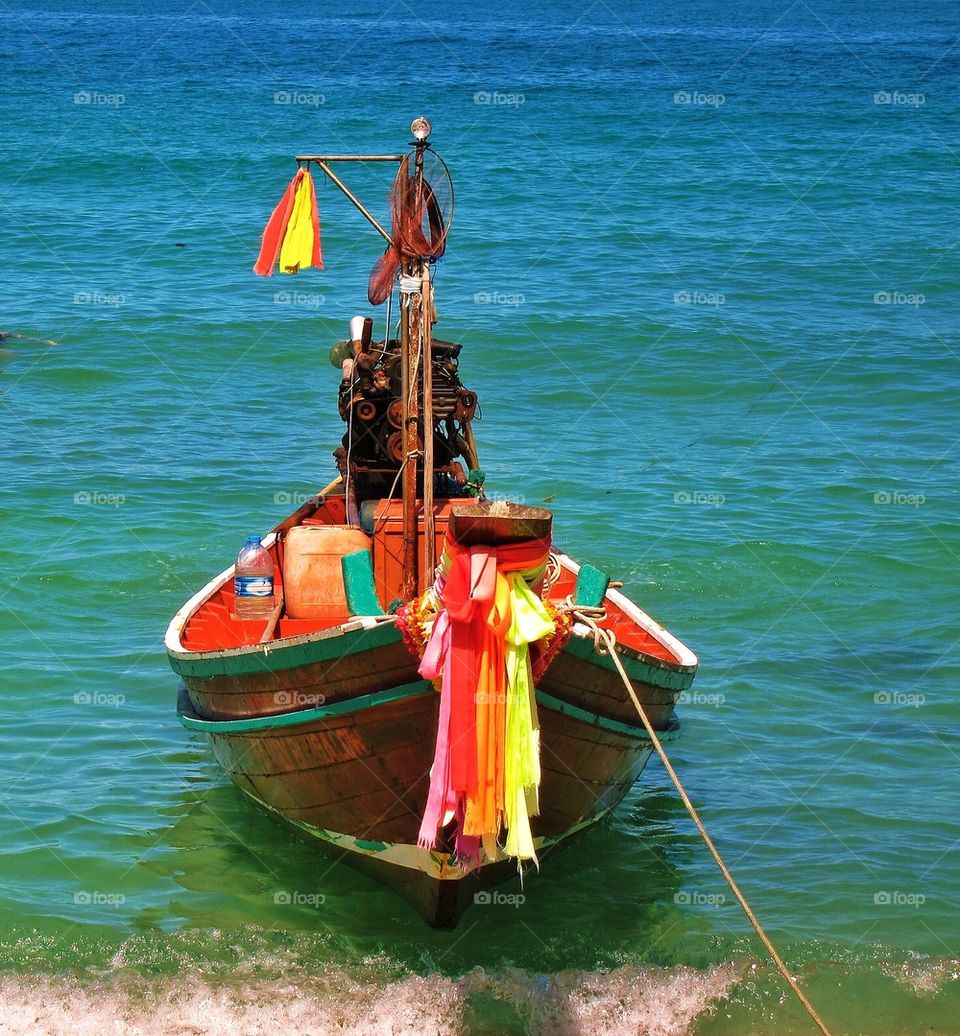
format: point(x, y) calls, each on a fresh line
point(412, 621)
point(545, 651)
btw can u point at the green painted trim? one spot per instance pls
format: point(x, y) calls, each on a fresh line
point(644, 670)
point(192, 721)
point(371, 846)
point(281, 655)
point(359, 584)
point(189, 719)
point(603, 722)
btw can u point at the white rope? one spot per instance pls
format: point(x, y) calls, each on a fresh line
point(552, 573)
point(390, 495)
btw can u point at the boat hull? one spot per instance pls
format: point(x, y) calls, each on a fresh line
point(354, 776)
point(333, 730)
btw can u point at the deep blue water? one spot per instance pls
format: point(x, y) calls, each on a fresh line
point(704, 264)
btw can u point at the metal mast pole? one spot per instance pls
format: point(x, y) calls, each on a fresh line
point(429, 534)
point(415, 321)
point(409, 351)
point(416, 358)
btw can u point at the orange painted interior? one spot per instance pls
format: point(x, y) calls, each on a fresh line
point(388, 542)
point(214, 627)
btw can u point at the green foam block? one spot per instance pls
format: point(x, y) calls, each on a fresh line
point(359, 583)
point(591, 587)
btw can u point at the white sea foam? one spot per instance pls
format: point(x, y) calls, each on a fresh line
point(923, 974)
point(190, 1007)
point(652, 1001)
point(629, 1000)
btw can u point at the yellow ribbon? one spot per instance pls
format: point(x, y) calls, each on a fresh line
point(296, 253)
point(530, 623)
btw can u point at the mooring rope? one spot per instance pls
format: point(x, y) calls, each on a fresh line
point(606, 643)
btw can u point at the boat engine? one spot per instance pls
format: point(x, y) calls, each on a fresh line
point(370, 403)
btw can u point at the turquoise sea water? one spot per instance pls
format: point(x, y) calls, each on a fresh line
point(703, 264)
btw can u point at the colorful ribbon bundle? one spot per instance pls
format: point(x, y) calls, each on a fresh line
point(486, 767)
point(292, 234)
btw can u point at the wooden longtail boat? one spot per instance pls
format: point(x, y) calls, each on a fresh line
point(318, 711)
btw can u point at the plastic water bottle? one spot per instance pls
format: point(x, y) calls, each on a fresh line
point(253, 580)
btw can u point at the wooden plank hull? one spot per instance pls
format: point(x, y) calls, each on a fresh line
point(358, 660)
point(355, 777)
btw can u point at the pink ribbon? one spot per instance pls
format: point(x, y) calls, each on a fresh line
point(440, 797)
point(450, 654)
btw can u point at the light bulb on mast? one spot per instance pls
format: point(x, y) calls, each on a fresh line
point(420, 128)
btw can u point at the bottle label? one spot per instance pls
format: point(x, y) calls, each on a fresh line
point(253, 586)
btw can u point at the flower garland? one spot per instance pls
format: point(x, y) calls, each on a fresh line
point(546, 650)
point(415, 619)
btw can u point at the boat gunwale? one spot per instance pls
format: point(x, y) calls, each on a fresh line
point(686, 661)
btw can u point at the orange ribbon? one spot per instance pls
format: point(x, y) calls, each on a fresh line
point(467, 649)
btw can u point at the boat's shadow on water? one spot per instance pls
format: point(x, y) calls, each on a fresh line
point(610, 896)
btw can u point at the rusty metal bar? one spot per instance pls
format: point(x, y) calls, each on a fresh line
point(350, 158)
point(371, 219)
